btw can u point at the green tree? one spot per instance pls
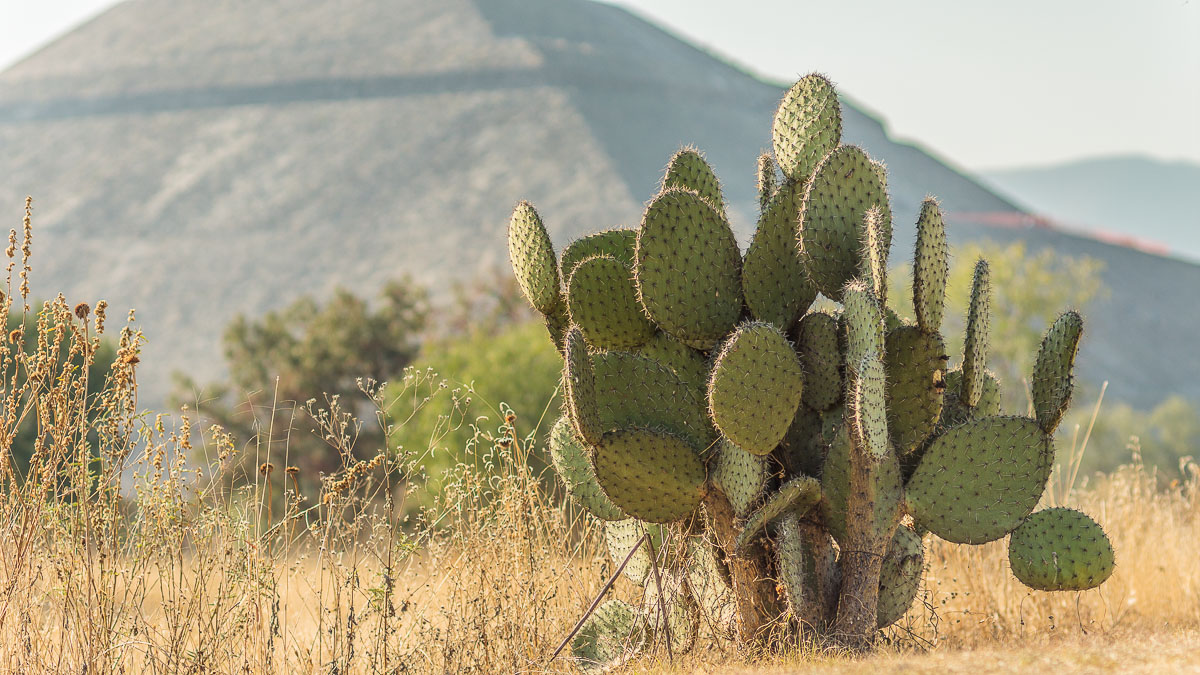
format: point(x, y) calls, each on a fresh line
point(515, 364)
point(307, 351)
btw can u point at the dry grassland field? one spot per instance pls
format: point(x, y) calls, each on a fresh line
point(119, 555)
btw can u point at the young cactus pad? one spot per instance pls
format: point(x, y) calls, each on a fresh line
point(776, 454)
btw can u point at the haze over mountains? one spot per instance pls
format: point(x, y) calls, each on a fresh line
point(1150, 200)
point(197, 159)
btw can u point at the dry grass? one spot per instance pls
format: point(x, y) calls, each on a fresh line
point(117, 556)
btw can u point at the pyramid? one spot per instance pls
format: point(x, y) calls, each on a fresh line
point(197, 160)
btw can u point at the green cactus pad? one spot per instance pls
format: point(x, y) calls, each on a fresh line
point(741, 475)
point(683, 614)
point(533, 259)
point(875, 254)
point(689, 170)
point(688, 269)
point(817, 344)
point(978, 481)
point(900, 577)
point(688, 364)
point(807, 126)
point(651, 475)
point(794, 564)
point(573, 467)
point(557, 323)
point(709, 579)
point(955, 411)
point(622, 535)
point(868, 411)
point(613, 633)
point(634, 391)
point(602, 299)
point(795, 496)
point(915, 362)
point(766, 180)
point(864, 323)
point(835, 487)
point(776, 286)
point(1060, 549)
point(756, 387)
point(975, 346)
point(931, 267)
point(579, 380)
point(832, 228)
point(618, 242)
point(1052, 378)
point(802, 451)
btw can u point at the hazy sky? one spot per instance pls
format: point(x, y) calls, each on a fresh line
point(983, 84)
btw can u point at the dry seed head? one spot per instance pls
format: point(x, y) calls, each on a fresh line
point(292, 470)
point(510, 418)
point(266, 468)
point(82, 310)
point(101, 307)
point(15, 336)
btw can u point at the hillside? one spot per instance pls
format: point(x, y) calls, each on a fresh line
point(191, 163)
point(1148, 200)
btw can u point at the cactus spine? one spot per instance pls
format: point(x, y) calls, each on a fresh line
point(707, 406)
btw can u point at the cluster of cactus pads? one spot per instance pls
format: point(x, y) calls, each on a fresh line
point(783, 465)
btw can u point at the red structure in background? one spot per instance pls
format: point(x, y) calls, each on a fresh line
point(1014, 220)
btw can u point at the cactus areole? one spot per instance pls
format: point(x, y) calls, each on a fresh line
point(791, 464)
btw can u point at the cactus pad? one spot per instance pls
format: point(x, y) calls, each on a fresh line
point(835, 487)
point(875, 254)
point(864, 324)
point(931, 266)
point(688, 364)
point(579, 380)
point(832, 227)
point(773, 278)
point(796, 496)
point(688, 268)
point(533, 259)
point(868, 416)
point(622, 535)
point(618, 242)
point(741, 475)
point(651, 475)
point(802, 450)
point(602, 299)
point(975, 346)
point(756, 387)
point(978, 481)
point(557, 323)
point(915, 362)
point(900, 577)
point(688, 170)
point(817, 344)
point(1052, 378)
point(573, 467)
point(632, 390)
point(807, 126)
point(1060, 549)
point(955, 411)
point(612, 633)
point(766, 180)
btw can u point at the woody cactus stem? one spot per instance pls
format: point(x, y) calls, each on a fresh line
point(786, 463)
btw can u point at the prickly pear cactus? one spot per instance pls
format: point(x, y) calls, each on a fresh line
point(781, 466)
